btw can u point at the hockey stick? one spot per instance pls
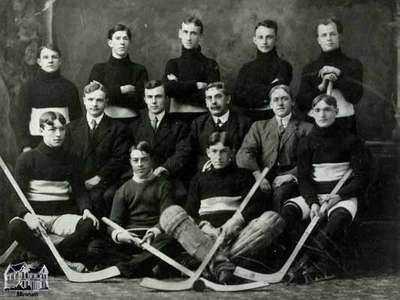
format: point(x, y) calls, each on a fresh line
point(278, 276)
point(69, 273)
point(211, 285)
point(188, 283)
point(8, 252)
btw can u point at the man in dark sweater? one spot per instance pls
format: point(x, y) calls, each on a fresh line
point(187, 76)
point(256, 78)
point(333, 65)
point(219, 118)
point(47, 91)
point(123, 78)
point(100, 143)
point(166, 137)
point(47, 175)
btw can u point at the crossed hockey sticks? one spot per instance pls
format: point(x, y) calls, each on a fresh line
point(278, 276)
point(69, 273)
point(209, 284)
point(188, 283)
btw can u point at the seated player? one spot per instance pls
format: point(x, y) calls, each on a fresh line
point(123, 78)
point(166, 137)
point(324, 156)
point(273, 144)
point(187, 76)
point(47, 175)
point(214, 197)
point(47, 91)
point(137, 206)
point(257, 77)
point(220, 117)
point(100, 144)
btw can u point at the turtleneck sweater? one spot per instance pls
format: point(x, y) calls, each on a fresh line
point(349, 81)
point(191, 67)
point(48, 178)
point(212, 195)
point(118, 72)
point(329, 146)
point(256, 77)
point(45, 90)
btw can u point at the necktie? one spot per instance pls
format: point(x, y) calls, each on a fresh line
point(93, 125)
point(219, 122)
point(154, 123)
point(281, 128)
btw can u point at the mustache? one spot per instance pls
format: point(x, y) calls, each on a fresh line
point(215, 107)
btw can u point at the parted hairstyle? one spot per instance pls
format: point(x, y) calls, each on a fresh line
point(269, 24)
point(50, 46)
point(327, 21)
point(49, 117)
point(151, 84)
point(220, 137)
point(142, 146)
point(219, 85)
point(284, 87)
point(94, 86)
point(330, 100)
point(119, 27)
point(194, 20)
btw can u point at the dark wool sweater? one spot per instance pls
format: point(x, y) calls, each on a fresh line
point(117, 72)
point(255, 79)
point(350, 81)
point(49, 166)
point(138, 205)
point(331, 145)
point(44, 90)
point(190, 68)
point(227, 182)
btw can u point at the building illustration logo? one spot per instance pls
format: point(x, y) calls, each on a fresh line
point(22, 277)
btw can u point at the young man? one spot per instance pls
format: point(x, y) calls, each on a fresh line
point(137, 207)
point(213, 199)
point(187, 76)
point(273, 144)
point(324, 156)
point(332, 65)
point(123, 78)
point(101, 145)
point(256, 78)
point(166, 137)
point(47, 175)
point(219, 118)
point(47, 91)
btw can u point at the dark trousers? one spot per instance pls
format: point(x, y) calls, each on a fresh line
point(101, 198)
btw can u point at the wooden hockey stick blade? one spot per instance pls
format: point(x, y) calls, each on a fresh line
point(188, 283)
point(209, 284)
point(69, 273)
point(278, 276)
point(8, 252)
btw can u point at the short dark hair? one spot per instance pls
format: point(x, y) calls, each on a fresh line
point(94, 86)
point(196, 21)
point(220, 137)
point(284, 87)
point(142, 146)
point(269, 24)
point(119, 27)
point(49, 117)
point(327, 21)
point(330, 100)
point(219, 85)
point(151, 84)
point(50, 46)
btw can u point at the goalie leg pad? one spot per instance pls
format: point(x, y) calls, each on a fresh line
point(177, 223)
point(260, 232)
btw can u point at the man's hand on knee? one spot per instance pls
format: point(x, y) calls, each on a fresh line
point(34, 223)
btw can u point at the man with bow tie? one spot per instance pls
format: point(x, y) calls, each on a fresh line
point(101, 144)
point(273, 144)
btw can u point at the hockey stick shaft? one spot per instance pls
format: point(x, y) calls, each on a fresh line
point(8, 252)
point(70, 274)
point(278, 276)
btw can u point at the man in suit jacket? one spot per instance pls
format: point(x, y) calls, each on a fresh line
point(219, 118)
point(273, 144)
point(102, 146)
point(167, 137)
